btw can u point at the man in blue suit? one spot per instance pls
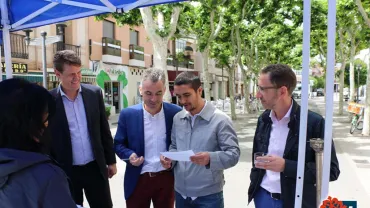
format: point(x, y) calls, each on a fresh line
point(144, 130)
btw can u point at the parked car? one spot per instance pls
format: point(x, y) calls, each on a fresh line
point(320, 92)
point(297, 93)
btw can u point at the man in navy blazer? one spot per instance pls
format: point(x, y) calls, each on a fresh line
point(144, 130)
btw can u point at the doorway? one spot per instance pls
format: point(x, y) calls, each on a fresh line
point(112, 94)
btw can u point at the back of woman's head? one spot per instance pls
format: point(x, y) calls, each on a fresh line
point(24, 112)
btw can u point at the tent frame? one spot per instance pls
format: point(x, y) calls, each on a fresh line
point(6, 28)
point(331, 34)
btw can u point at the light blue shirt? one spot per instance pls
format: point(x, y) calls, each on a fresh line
point(76, 115)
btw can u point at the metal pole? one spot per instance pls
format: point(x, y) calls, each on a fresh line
point(223, 100)
point(44, 71)
point(6, 39)
point(330, 74)
point(318, 145)
point(175, 63)
point(304, 101)
point(1, 70)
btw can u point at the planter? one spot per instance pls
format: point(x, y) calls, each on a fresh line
point(108, 111)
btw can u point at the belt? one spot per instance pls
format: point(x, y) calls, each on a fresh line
point(154, 174)
point(276, 196)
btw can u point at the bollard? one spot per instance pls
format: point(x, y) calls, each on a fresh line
point(318, 145)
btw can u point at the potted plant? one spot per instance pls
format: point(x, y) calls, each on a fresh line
point(107, 111)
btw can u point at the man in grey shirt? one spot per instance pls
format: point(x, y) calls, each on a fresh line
point(209, 133)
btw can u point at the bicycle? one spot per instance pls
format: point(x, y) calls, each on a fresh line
point(357, 122)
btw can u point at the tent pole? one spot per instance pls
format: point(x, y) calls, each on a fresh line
point(330, 73)
point(1, 70)
point(44, 71)
point(6, 38)
point(304, 102)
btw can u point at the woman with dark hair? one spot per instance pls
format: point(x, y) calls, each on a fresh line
point(28, 177)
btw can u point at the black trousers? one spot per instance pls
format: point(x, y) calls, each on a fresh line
point(88, 178)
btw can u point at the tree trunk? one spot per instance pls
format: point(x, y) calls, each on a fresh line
point(160, 43)
point(246, 82)
point(363, 12)
point(366, 129)
point(160, 62)
point(352, 70)
point(341, 79)
point(206, 85)
point(352, 80)
point(231, 72)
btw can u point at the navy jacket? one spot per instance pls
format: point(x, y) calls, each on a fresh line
point(130, 139)
point(315, 129)
point(31, 180)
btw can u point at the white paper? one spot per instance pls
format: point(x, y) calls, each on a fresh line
point(179, 156)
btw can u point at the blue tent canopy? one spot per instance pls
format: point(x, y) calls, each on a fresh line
point(23, 14)
point(34, 13)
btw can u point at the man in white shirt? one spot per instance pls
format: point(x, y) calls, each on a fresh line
point(273, 177)
point(144, 130)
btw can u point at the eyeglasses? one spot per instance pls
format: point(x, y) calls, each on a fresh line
point(261, 89)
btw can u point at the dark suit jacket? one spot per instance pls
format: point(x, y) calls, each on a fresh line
point(315, 129)
point(98, 127)
point(130, 139)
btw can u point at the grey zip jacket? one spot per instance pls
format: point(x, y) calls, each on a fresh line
point(212, 132)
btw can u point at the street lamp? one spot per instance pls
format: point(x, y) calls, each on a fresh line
point(358, 67)
point(43, 41)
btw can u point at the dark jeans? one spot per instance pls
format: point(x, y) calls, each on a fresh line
point(88, 178)
point(263, 199)
point(210, 201)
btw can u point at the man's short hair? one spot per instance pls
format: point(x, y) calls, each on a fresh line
point(65, 57)
point(188, 78)
point(154, 75)
point(281, 75)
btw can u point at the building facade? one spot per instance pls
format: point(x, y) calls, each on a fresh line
point(113, 57)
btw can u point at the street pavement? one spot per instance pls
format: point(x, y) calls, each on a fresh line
point(353, 152)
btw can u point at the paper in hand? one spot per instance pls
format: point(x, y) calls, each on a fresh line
point(179, 156)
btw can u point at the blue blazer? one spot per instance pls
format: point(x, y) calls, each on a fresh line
point(130, 139)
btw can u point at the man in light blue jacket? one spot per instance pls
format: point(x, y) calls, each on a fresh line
point(209, 133)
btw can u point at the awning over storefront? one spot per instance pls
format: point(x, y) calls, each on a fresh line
point(29, 77)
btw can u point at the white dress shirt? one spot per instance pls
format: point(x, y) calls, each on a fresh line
point(278, 137)
point(154, 140)
point(82, 152)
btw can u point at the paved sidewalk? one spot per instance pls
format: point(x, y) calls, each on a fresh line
point(353, 153)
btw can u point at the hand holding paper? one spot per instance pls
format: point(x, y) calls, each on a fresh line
point(201, 158)
point(166, 162)
point(179, 156)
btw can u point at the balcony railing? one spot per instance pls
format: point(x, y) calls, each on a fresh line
point(18, 46)
point(189, 64)
point(136, 52)
point(60, 46)
point(111, 47)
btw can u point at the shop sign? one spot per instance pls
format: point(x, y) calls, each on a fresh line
point(115, 70)
point(18, 68)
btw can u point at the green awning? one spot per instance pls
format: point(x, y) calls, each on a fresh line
point(29, 77)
